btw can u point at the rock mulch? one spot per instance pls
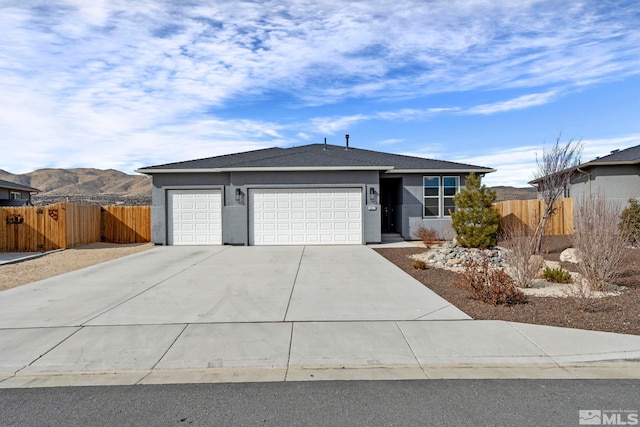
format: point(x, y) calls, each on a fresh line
point(452, 256)
point(619, 314)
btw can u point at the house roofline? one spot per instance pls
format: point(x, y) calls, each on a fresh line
point(150, 171)
point(398, 171)
point(20, 187)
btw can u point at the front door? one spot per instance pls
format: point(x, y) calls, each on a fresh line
point(390, 189)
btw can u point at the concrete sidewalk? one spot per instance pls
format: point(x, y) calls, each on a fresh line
point(210, 314)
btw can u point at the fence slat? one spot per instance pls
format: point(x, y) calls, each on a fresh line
point(529, 213)
point(65, 225)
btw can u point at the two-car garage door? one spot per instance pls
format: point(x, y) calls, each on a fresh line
point(283, 216)
point(305, 216)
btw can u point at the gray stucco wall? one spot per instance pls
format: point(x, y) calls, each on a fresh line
point(235, 217)
point(616, 183)
point(5, 194)
point(413, 209)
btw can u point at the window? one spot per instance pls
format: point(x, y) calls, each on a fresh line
point(450, 188)
point(15, 195)
point(431, 196)
point(438, 195)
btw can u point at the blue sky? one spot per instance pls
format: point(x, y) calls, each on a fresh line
point(126, 84)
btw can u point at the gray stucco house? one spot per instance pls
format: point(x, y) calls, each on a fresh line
point(307, 195)
point(615, 177)
point(12, 194)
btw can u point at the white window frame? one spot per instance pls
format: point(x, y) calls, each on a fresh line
point(445, 212)
point(441, 195)
point(431, 197)
point(15, 195)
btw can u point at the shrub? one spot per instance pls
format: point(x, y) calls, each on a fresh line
point(520, 244)
point(600, 242)
point(557, 275)
point(630, 223)
point(474, 220)
point(429, 236)
point(490, 285)
point(419, 264)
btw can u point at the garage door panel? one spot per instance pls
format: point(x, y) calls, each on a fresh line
point(305, 216)
point(194, 217)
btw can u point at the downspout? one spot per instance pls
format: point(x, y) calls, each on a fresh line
point(588, 177)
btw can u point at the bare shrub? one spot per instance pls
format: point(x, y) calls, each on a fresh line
point(581, 297)
point(520, 245)
point(429, 236)
point(488, 284)
point(600, 241)
point(419, 264)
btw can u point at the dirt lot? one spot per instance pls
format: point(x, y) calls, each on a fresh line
point(53, 264)
point(611, 314)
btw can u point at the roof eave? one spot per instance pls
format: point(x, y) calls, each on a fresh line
point(266, 169)
point(21, 188)
point(611, 163)
point(467, 170)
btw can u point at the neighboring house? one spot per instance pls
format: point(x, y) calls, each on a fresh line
point(312, 194)
point(615, 177)
point(12, 194)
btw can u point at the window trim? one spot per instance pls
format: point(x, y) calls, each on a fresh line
point(15, 195)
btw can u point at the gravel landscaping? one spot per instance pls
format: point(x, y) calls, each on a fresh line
point(619, 313)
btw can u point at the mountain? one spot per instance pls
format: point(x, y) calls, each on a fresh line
point(83, 185)
point(514, 193)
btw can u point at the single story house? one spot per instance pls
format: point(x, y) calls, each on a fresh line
point(308, 195)
point(12, 194)
point(615, 177)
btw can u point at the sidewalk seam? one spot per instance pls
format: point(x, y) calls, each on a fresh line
point(295, 279)
point(404, 337)
point(50, 350)
point(163, 354)
point(286, 374)
point(541, 349)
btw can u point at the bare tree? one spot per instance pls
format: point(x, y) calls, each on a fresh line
point(600, 241)
point(552, 176)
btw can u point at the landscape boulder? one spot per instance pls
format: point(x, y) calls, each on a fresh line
point(569, 255)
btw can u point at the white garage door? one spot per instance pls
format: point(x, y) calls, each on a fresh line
point(195, 217)
point(319, 216)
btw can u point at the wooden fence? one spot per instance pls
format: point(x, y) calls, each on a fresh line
point(65, 225)
point(529, 213)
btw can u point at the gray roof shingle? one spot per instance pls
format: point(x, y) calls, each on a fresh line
point(14, 186)
point(628, 155)
point(316, 156)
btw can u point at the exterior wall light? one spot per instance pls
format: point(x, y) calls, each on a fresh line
point(239, 195)
point(372, 194)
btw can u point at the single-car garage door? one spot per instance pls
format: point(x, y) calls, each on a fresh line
point(194, 217)
point(305, 216)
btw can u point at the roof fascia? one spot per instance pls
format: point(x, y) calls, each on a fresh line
point(397, 171)
point(268, 169)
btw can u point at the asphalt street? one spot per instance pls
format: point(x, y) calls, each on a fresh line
point(330, 403)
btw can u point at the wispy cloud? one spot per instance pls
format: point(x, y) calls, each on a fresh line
point(116, 82)
point(519, 103)
point(517, 166)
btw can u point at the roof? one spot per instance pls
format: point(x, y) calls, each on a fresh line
point(315, 157)
point(627, 156)
point(19, 187)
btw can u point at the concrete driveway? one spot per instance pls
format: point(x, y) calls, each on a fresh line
point(203, 314)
